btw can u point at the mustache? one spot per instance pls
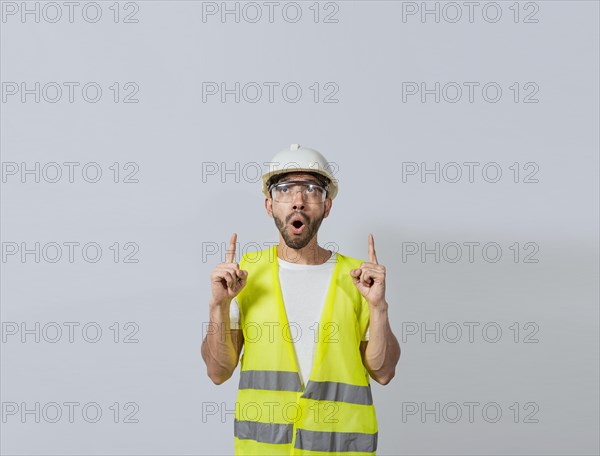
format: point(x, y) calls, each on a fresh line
point(304, 217)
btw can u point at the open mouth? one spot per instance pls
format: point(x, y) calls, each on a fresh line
point(297, 226)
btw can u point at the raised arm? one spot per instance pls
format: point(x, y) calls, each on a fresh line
point(222, 346)
point(382, 351)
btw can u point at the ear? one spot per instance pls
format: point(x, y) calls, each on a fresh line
point(269, 206)
point(328, 204)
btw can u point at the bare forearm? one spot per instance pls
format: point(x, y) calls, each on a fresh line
point(383, 350)
point(218, 350)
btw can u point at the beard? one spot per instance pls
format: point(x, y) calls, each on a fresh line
point(298, 241)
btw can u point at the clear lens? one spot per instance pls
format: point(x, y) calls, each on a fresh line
point(286, 192)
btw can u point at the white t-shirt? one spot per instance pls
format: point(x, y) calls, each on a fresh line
point(304, 288)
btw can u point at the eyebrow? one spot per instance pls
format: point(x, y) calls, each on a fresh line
point(310, 181)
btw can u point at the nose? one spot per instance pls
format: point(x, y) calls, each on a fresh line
point(298, 200)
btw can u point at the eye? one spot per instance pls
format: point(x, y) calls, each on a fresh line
point(283, 189)
point(310, 189)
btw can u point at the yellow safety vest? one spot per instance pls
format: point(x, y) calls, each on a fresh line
point(275, 413)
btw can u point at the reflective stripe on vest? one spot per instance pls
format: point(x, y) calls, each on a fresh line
point(263, 432)
point(335, 441)
point(293, 418)
point(270, 380)
point(340, 392)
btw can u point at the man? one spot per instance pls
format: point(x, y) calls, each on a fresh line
point(309, 391)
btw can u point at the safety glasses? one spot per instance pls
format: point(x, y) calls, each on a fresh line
point(285, 192)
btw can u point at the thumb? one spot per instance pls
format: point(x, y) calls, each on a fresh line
point(355, 272)
point(242, 274)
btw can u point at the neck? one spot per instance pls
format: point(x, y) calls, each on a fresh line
point(311, 253)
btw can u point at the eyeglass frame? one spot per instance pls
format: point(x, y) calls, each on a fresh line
point(325, 188)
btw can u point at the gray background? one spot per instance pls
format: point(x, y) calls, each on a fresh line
point(173, 212)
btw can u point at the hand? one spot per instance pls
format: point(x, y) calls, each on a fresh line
point(370, 277)
point(227, 279)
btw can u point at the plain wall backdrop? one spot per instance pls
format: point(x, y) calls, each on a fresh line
point(499, 349)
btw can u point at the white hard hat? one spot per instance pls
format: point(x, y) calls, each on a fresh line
point(300, 159)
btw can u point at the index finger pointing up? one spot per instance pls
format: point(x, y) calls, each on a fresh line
point(231, 249)
point(372, 255)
